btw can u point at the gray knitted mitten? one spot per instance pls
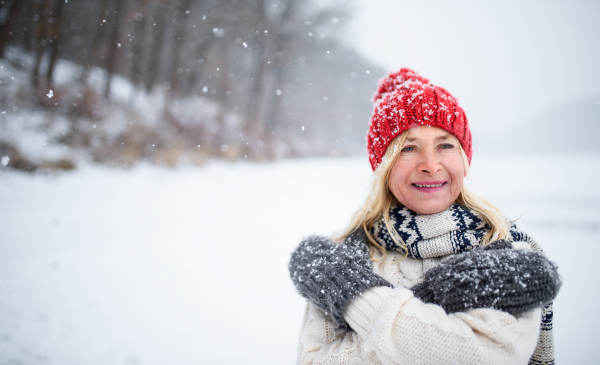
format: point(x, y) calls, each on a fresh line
point(330, 274)
point(497, 276)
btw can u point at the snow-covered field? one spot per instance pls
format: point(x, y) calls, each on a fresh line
point(188, 265)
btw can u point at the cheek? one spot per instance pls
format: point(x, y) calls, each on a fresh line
point(458, 173)
point(394, 186)
point(458, 186)
point(396, 183)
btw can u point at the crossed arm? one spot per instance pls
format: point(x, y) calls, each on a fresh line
point(397, 324)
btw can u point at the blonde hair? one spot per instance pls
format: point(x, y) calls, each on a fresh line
point(380, 200)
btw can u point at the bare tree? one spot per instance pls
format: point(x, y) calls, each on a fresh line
point(97, 40)
point(259, 48)
point(8, 17)
point(160, 13)
point(55, 37)
point(203, 46)
point(114, 44)
point(283, 29)
point(40, 14)
point(139, 34)
point(181, 23)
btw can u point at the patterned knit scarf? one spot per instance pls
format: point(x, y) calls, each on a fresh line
point(455, 230)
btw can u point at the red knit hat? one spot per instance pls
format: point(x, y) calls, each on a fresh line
point(405, 99)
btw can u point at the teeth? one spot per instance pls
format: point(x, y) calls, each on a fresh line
point(429, 186)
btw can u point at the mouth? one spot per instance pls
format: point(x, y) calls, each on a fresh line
point(429, 186)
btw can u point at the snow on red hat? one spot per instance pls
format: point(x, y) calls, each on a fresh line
point(405, 99)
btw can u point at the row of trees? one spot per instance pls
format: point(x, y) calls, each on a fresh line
point(278, 66)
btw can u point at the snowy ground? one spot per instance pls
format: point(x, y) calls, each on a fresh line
point(188, 266)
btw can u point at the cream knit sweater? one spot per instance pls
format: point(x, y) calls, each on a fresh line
point(394, 327)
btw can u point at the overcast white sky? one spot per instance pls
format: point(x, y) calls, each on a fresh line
point(506, 61)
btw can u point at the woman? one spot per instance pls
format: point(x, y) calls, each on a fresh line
point(427, 272)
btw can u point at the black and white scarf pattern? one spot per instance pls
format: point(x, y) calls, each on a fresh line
point(455, 230)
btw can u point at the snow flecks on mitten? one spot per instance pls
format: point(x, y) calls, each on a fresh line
point(330, 274)
point(499, 277)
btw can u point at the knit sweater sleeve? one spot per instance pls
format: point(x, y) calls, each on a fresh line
point(393, 327)
point(320, 343)
point(397, 328)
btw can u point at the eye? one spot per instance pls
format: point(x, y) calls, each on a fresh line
point(447, 146)
point(408, 149)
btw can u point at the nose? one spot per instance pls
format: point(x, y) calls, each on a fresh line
point(430, 163)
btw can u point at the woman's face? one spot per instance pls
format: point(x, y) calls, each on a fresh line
point(428, 174)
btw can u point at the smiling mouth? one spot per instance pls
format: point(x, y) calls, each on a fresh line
point(429, 185)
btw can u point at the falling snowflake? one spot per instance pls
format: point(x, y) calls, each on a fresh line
point(50, 94)
point(218, 32)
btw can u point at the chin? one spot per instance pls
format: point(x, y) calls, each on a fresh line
point(425, 209)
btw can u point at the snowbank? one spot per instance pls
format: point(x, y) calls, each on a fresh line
point(187, 266)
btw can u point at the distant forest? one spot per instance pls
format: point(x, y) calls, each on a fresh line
point(253, 79)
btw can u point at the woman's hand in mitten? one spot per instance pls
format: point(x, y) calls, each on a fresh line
point(497, 276)
point(330, 274)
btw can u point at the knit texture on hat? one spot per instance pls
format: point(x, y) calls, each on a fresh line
point(405, 99)
point(394, 80)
